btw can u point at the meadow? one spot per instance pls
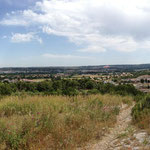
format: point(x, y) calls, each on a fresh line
point(56, 122)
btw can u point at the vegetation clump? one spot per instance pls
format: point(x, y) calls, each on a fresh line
point(141, 113)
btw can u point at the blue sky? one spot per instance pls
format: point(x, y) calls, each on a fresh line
point(73, 33)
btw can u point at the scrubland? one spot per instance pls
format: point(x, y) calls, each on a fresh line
point(56, 122)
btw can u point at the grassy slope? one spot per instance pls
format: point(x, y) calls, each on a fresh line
point(56, 122)
point(141, 113)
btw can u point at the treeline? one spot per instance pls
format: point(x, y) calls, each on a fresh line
point(67, 87)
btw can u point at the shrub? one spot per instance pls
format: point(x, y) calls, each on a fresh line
point(141, 113)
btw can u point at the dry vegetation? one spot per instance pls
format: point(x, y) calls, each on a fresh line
point(141, 113)
point(56, 122)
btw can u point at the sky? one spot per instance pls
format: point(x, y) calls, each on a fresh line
point(74, 32)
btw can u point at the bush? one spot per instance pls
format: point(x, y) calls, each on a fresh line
point(141, 113)
point(66, 87)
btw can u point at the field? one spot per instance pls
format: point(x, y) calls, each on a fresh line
point(56, 122)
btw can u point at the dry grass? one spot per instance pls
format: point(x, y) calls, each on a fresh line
point(141, 113)
point(56, 122)
point(144, 123)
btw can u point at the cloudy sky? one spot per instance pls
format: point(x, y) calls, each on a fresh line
point(74, 32)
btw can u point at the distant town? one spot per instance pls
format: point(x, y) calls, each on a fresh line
point(138, 75)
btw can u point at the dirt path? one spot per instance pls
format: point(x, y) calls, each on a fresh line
point(123, 136)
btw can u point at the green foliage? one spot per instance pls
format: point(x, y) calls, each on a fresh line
point(93, 91)
point(141, 113)
point(141, 108)
point(66, 87)
point(5, 89)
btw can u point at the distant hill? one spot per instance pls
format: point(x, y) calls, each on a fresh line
point(79, 69)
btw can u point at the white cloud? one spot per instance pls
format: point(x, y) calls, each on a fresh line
point(28, 37)
point(96, 25)
point(68, 56)
point(14, 22)
point(95, 49)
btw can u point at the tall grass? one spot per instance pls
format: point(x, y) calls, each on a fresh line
point(141, 113)
point(56, 122)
